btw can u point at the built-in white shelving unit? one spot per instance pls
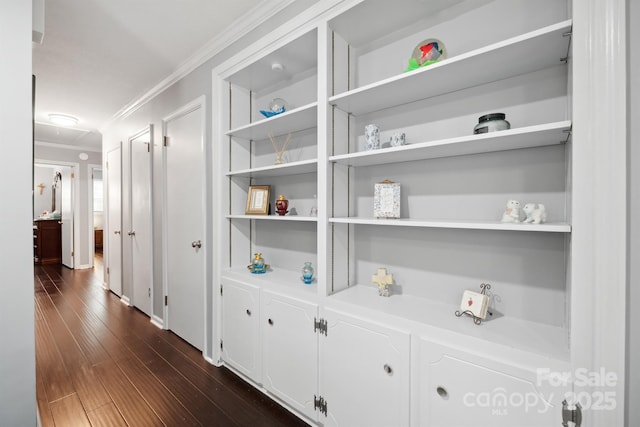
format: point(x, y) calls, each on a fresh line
point(469, 225)
point(276, 279)
point(274, 218)
point(513, 139)
point(295, 120)
point(341, 73)
point(293, 168)
point(526, 53)
point(530, 336)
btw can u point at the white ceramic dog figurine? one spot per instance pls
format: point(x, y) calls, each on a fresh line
point(512, 212)
point(535, 212)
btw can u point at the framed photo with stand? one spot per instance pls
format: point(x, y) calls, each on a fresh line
point(258, 200)
point(386, 199)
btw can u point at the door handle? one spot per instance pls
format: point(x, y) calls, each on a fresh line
point(196, 244)
point(131, 233)
point(117, 232)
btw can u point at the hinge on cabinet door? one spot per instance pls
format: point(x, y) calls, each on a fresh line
point(107, 270)
point(73, 175)
point(320, 404)
point(149, 292)
point(71, 253)
point(220, 290)
point(571, 415)
point(221, 346)
point(569, 33)
point(165, 141)
point(320, 325)
point(166, 300)
point(148, 147)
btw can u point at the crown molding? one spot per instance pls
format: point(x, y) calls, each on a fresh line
point(235, 31)
point(66, 146)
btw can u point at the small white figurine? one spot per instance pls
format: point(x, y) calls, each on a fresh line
point(397, 139)
point(383, 280)
point(512, 212)
point(535, 212)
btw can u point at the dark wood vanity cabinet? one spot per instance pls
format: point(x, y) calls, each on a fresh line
point(47, 241)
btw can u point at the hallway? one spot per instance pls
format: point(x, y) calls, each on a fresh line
point(101, 363)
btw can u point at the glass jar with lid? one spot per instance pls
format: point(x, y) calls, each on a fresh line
point(491, 123)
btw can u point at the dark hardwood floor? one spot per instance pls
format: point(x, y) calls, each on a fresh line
point(101, 363)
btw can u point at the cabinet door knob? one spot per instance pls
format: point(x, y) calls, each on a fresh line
point(442, 392)
point(270, 321)
point(131, 233)
point(388, 369)
point(248, 312)
point(196, 244)
point(117, 232)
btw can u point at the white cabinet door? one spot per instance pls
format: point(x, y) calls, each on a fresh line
point(453, 388)
point(364, 373)
point(290, 350)
point(241, 328)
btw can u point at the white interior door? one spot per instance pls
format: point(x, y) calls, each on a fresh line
point(114, 220)
point(66, 211)
point(184, 244)
point(140, 220)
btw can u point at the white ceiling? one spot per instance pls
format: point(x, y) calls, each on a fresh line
point(98, 56)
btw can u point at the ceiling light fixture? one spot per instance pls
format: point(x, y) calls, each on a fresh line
point(63, 119)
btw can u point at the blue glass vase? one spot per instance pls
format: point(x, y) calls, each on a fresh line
point(307, 273)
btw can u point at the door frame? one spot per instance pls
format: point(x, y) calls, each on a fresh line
point(75, 191)
point(91, 167)
point(106, 250)
point(197, 104)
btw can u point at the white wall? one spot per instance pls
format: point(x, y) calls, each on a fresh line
point(633, 319)
point(55, 154)
point(17, 352)
point(195, 84)
point(42, 201)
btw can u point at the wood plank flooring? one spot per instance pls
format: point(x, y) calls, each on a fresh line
point(101, 363)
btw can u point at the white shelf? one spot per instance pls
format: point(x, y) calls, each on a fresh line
point(525, 137)
point(298, 57)
point(543, 339)
point(279, 279)
point(526, 53)
point(469, 225)
point(298, 119)
point(275, 218)
point(293, 168)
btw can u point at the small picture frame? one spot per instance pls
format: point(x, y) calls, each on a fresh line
point(386, 200)
point(258, 200)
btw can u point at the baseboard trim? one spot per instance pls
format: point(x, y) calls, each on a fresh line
point(83, 267)
point(125, 300)
point(105, 286)
point(216, 363)
point(157, 322)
